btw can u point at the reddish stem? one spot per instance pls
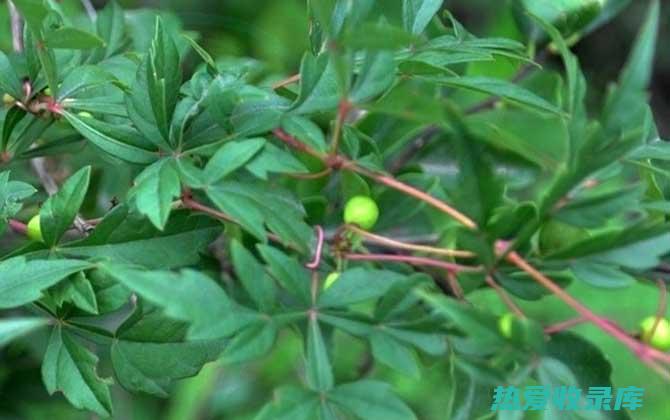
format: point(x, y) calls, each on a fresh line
point(451, 267)
point(18, 227)
point(314, 264)
point(642, 351)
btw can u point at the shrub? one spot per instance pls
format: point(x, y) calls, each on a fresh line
point(220, 198)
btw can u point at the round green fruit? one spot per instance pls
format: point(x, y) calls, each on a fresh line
point(48, 92)
point(34, 229)
point(330, 279)
point(8, 99)
point(555, 235)
point(661, 338)
point(506, 324)
point(85, 114)
point(362, 211)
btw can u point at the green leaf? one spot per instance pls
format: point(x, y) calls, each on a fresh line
point(12, 118)
point(209, 61)
point(637, 247)
point(70, 368)
point(499, 88)
point(291, 403)
point(305, 130)
point(288, 272)
point(60, 210)
point(252, 342)
point(72, 38)
point(148, 360)
point(129, 238)
point(251, 273)
point(120, 141)
point(319, 87)
point(318, 369)
point(9, 80)
point(13, 328)
point(188, 296)
point(11, 195)
point(256, 204)
point(274, 160)
point(394, 354)
point(23, 281)
point(155, 189)
point(231, 156)
point(570, 16)
point(258, 116)
point(480, 326)
point(377, 74)
point(358, 285)
point(416, 14)
point(110, 25)
point(82, 78)
point(33, 11)
point(78, 290)
point(371, 399)
point(163, 77)
point(601, 275)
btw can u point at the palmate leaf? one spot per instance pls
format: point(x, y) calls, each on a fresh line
point(149, 353)
point(363, 399)
point(70, 368)
point(188, 296)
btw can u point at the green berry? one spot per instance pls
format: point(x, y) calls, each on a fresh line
point(8, 99)
point(85, 114)
point(505, 324)
point(330, 279)
point(34, 229)
point(362, 211)
point(661, 337)
point(48, 92)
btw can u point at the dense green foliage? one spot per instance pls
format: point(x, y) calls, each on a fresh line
point(191, 215)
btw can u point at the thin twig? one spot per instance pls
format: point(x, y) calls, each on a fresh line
point(455, 287)
point(412, 260)
point(90, 10)
point(314, 264)
point(17, 27)
point(290, 80)
point(505, 297)
point(641, 350)
point(385, 241)
point(564, 325)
